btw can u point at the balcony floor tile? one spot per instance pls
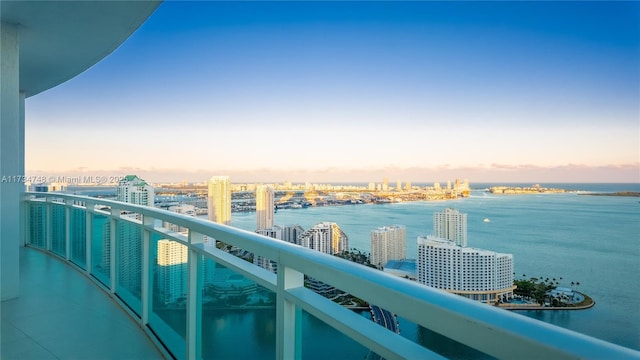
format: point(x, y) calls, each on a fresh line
point(61, 314)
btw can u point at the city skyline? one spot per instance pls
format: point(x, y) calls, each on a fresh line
point(327, 92)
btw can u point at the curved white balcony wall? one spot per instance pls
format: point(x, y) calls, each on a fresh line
point(43, 44)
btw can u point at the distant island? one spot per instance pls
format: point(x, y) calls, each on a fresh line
point(619, 193)
point(534, 189)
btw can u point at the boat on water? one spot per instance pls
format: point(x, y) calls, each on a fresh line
point(486, 220)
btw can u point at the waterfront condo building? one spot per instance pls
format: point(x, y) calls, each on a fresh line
point(264, 207)
point(326, 237)
point(477, 274)
point(219, 200)
point(451, 225)
point(388, 243)
point(445, 262)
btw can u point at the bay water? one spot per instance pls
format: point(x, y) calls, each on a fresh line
point(590, 240)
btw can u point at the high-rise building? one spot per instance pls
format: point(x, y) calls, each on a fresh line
point(171, 260)
point(326, 237)
point(445, 262)
point(399, 185)
point(185, 209)
point(477, 274)
point(171, 270)
point(131, 189)
point(47, 187)
point(451, 225)
point(274, 232)
point(291, 233)
point(134, 190)
point(388, 243)
point(264, 207)
point(219, 200)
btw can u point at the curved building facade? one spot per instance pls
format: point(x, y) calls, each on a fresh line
point(477, 274)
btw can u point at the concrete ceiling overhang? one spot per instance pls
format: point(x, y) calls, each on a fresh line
point(60, 39)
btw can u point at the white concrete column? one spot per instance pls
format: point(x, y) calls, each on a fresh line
point(11, 163)
point(288, 317)
point(23, 215)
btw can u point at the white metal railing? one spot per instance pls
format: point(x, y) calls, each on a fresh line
point(496, 332)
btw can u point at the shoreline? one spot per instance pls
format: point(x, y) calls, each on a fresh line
point(618, 193)
point(587, 303)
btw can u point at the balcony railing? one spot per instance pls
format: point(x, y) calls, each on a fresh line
point(192, 297)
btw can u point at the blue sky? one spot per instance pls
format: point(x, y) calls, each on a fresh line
point(356, 91)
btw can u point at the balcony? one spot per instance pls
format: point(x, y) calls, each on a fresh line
point(61, 314)
point(196, 301)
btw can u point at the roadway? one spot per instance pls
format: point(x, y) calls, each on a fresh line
point(384, 318)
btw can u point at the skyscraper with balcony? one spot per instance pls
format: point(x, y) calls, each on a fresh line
point(450, 224)
point(388, 243)
point(326, 237)
point(219, 200)
point(264, 207)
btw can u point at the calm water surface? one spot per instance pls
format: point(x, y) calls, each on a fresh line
point(592, 240)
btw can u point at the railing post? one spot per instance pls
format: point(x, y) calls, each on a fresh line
point(48, 230)
point(288, 329)
point(145, 277)
point(88, 236)
point(145, 295)
point(67, 228)
point(194, 297)
point(26, 212)
point(113, 250)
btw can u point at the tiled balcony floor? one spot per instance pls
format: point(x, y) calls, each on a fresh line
point(61, 314)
